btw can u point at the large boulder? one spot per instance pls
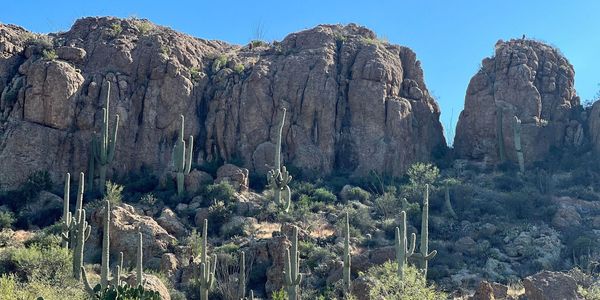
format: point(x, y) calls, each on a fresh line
point(151, 283)
point(594, 126)
point(354, 103)
point(550, 285)
point(526, 79)
point(124, 226)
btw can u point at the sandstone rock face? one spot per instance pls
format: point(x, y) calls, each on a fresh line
point(550, 285)
point(354, 103)
point(151, 283)
point(527, 79)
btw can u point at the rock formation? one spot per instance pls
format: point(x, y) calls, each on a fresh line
point(354, 103)
point(529, 80)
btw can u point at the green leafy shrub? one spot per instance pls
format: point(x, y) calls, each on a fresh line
point(219, 63)
point(385, 284)
point(222, 191)
point(239, 68)
point(11, 288)
point(113, 193)
point(49, 265)
point(195, 74)
point(358, 194)
point(323, 195)
point(218, 214)
point(49, 54)
point(115, 30)
point(420, 174)
point(7, 219)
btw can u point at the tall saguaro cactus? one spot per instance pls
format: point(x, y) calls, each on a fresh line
point(279, 178)
point(139, 263)
point(291, 273)
point(66, 218)
point(517, 140)
point(103, 149)
point(207, 267)
point(499, 133)
point(117, 276)
point(424, 255)
point(404, 249)
point(78, 230)
point(181, 160)
point(242, 277)
point(104, 271)
point(347, 256)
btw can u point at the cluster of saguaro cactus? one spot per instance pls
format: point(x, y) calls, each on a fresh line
point(75, 229)
point(517, 140)
point(291, 273)
point(424, 255)
point(181, 159)
point(279, 178)
point(499, 133)
point(103, 148)
point(404, 249)
point(347, 256)
point(207, 266)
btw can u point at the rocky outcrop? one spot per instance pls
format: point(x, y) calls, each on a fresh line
point(529, 80)
point(550, 285)
point(354, 103)
point(594, 126)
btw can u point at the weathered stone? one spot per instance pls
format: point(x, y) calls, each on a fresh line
point(72, 54)
point(195, 180)
point(527, 79)
point(594, 126)
point(484, 292)
point(236, 176)
point(550, 285)
point(168, 264)
point(151, 283)
point(169, 221)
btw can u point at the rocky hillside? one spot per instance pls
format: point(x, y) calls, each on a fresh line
point(354, 103)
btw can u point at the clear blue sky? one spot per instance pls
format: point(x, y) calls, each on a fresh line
point(450, 37)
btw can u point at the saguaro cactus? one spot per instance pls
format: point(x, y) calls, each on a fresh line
point(181, 160)
point(104, 270)
point(404, 249)
point(347, 256)
point(207, 270)
point(82, 233)
point(66, 218)
point(242, 277)
point(117, 275)
point(103, 149)
point(517, 139)
point(291, 273)
point(279, 178)
point(499, 133)
point(139, 263)
point(424, 255)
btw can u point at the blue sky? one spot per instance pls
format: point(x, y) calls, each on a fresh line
point(450, 37)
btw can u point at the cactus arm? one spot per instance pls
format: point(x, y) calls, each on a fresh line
point(86, 283)
point(188, 158)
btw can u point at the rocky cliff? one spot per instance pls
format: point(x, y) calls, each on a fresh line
point(529, 80)
point(354, 103)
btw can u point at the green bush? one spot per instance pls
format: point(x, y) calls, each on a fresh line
point(324, 195)
point(590, 293)
point(385, 284)
point(7, 219)
point(420, 174)
point(222, 191)
point(358, 194)
point(239, 68)
point(219, 63)
point(113, 193)
point(11, 289)
point(51, 265)
point(49, 54)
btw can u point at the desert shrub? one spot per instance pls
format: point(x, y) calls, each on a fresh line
point(51, 265)
point(323, 195)
point(239, 68)
point(7, 219)
point(44, 240)
point(420, 174)
point(508, 182)
point(143, 26)
point(385, 284)
point(49, 54)
point(218, 214)
point(222, 191)
point(113, 193)
point(358, 194)
point(581, 192)
point(387, 204)
point(11, 288)
point(36, 182)
point(279, 295)
point(195, 73)
point(257, 43)
point(115, 30)
point(219, 63)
